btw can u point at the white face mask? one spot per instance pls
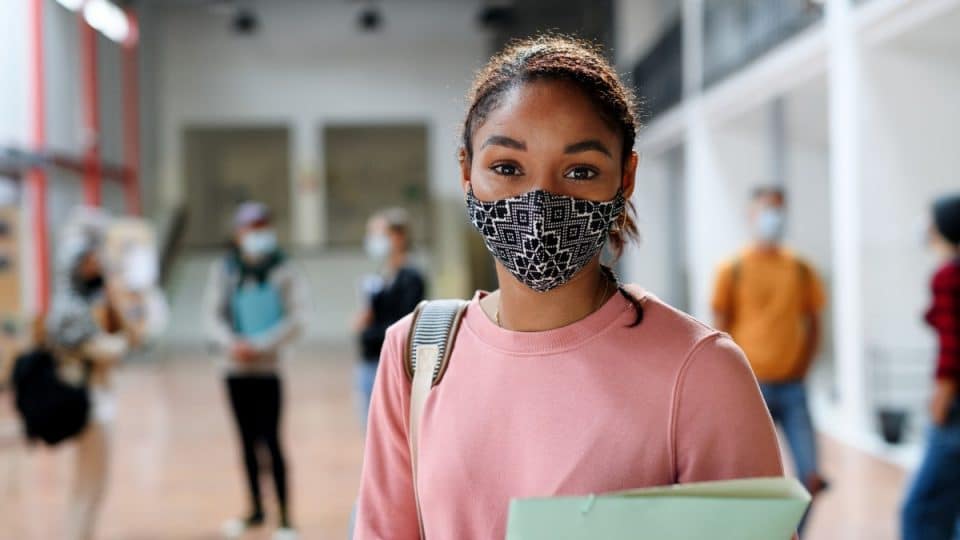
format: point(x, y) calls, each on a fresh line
point(140, 268)
point(770, 225)
point(377, 246)
point(258, 244)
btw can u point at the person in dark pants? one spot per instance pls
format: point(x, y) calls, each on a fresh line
point(253, 312)
point(932, 507)
point(388, 296)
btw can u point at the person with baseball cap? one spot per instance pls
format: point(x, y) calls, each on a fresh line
point(253, 307)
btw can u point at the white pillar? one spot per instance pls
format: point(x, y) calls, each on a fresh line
point(703, 185)
point(307, 182)
point(845, 195)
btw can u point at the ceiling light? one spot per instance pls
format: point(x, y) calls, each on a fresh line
point(109, 19)
point(72, 5)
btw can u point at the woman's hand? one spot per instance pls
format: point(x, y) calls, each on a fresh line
point(944, 394)
point(243, 351)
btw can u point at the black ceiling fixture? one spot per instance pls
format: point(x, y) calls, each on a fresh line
point(496, 15)
point(245, 22)
point(370, 19)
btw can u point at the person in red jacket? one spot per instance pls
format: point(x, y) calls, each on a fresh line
point(932, 507)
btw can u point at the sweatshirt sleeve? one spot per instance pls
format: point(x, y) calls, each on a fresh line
point(721, 428)
point(387, 508)
point(216, 313)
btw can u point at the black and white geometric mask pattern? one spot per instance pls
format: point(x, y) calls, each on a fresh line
point(543, 238)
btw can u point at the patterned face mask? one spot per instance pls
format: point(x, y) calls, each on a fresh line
point(543, 238)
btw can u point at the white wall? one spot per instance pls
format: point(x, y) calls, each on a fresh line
point(308, 66)
point(910, 130)
point(14, 64)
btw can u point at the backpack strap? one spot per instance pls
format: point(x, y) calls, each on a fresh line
point(736, 269)
point(432, 335)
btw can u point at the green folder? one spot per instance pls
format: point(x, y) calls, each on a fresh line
point(749, 509)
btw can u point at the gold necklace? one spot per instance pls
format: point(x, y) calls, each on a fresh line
point(598, 302)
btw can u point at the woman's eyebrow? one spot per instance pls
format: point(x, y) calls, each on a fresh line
point(501, 140)
point(584, 146)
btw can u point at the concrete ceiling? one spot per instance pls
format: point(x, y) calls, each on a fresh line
point(939, 37)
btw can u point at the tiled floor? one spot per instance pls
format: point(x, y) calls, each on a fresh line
point(176, 473)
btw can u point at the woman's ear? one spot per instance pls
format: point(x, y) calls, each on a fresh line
point(629, 180)
point(464, 169)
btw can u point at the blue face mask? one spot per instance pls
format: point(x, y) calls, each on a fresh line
point(770, 226)
point(258, 244)
point(377, 246)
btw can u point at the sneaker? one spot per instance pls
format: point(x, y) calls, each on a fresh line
point(285, 533)
point(234, 528)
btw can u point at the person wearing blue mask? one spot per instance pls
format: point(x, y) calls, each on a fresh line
point(387, 296)
point(769, 299)
point(253, 308)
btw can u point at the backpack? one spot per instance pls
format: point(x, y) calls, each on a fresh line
point(432, 337)
point(51, 409)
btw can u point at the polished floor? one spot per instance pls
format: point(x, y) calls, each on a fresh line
point(176, 473)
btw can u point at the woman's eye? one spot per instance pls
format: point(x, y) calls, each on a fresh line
point(581, 173)
point(506, 169)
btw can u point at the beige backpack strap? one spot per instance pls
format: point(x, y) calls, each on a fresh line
point(432, 336)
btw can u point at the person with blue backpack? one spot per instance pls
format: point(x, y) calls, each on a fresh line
point(253, 308)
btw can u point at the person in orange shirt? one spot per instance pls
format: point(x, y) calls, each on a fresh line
point(770, 300)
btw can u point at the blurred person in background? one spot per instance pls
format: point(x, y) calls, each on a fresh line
point(388, 295)
point(563, 381)
point(91, 333)
point(769, 300)
point(253, 307)
point(932, 507)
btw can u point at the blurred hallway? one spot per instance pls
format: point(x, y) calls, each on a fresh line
point(176, 111)
point(177, 476)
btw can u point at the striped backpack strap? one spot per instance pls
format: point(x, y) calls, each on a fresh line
point(429, 347)
point(435, 323)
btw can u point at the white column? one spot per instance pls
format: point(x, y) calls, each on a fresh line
point(700, 166)
point(306, 190)
point(845, 195)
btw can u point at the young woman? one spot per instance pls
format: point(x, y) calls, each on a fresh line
point(253, 302)
point(388, 295)
point(563, 381)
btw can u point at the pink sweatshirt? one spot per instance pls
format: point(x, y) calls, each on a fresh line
point(592, 407)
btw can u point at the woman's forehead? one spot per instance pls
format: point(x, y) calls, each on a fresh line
point(556, 108)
